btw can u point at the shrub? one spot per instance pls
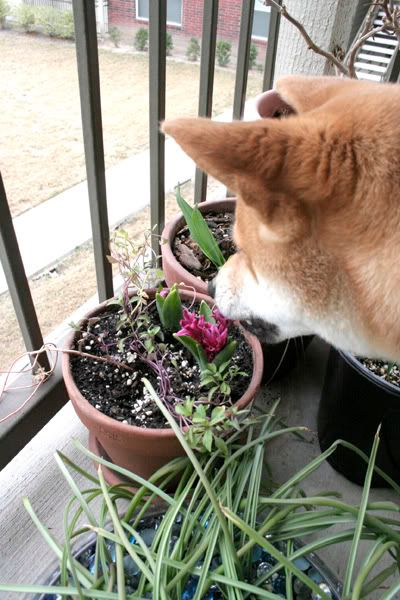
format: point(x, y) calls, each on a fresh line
point(4, 11)
point(169, 44)
point(193, 49)
point(223, 52)
point(25, 16)
point(115, 35)
point(253, 56)
point(56, 23)
point(67, 25)
point(49, 20)
point(141, 39)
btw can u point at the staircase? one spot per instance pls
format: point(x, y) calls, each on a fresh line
point(376, 56)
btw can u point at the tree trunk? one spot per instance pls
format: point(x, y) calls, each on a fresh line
point(330, 24)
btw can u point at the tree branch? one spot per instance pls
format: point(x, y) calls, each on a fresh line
point(311, 45)
point(391, 23)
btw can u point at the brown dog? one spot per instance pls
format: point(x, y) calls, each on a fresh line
point(318, 213)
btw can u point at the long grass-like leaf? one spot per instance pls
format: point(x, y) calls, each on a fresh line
point(361, 518)
point(62, 591)
point(53, 544)
point(281, 558)
point(145, 483)
point(120, 531)
point(210, 492)
point(391, 594)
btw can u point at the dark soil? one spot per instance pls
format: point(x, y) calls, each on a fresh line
point(118, 391)
point(390, 372)
point(188, 252)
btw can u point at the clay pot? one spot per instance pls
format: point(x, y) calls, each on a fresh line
point(174, 272)
point(141, 450)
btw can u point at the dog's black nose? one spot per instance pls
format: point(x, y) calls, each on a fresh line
point(211, 287)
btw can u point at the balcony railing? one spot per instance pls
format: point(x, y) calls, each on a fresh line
point(16, 432)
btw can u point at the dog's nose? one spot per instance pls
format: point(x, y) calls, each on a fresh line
point(211, 287)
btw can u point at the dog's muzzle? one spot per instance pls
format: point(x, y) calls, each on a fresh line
point(264, 331)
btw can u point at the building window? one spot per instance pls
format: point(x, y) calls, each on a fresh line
point(262, 14)
point(174, 11)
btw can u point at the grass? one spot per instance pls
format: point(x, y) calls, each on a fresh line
point(42, 148)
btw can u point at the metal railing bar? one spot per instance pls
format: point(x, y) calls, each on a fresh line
point(20, 429)
point(272, 47)
point(157, 69)
point(17, 281)
point(89, 90)
point(242, 67)
point(394, 67)
point(207, 69)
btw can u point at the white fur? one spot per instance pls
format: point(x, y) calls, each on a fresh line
point(276, 304)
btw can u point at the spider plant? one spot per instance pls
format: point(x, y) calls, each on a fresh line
point(224, 510)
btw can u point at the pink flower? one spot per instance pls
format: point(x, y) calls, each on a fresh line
point(164, 293)
point(212, 337)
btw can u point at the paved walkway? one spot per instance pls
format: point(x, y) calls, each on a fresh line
point(56, 227)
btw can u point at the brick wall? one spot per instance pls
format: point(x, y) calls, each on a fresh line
point(122, 13)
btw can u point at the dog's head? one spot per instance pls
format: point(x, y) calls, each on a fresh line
point(318, 213)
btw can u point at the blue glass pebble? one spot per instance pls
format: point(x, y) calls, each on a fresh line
point(131, 568)
point(263, 568)
point(148, 536)
point(315, 576)
point(324, 588)
point(301, 563)
point(257, 552)
point(111, 549)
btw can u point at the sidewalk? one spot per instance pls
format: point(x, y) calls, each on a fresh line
point(53, 229)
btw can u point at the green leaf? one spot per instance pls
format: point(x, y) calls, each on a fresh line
point(207, 440)
point(218, 413)
point(205, 239)
point(206, 311)
point(201, 411)
point(195, 348)
point(200, 231)
point(172, 311)
point(221, 445)
point(205, 381)
point(160, 307)
point(181, 410)
point(226, 354)
point(225, 388)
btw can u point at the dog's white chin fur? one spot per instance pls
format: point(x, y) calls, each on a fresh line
point(276, 305)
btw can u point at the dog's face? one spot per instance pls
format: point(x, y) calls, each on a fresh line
point(318, 213)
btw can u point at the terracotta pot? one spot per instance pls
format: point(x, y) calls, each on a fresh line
point(174, 272)
point(141, 450)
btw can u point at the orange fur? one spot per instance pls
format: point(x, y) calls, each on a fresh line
point(318, 198)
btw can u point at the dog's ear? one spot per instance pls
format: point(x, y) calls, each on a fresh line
point(284, 156)
point(304, 93)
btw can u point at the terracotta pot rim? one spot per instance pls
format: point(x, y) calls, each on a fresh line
point(108, 423)
point(169, 233)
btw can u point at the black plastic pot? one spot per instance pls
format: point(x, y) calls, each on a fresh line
point(354, 402)
point(280, 359)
